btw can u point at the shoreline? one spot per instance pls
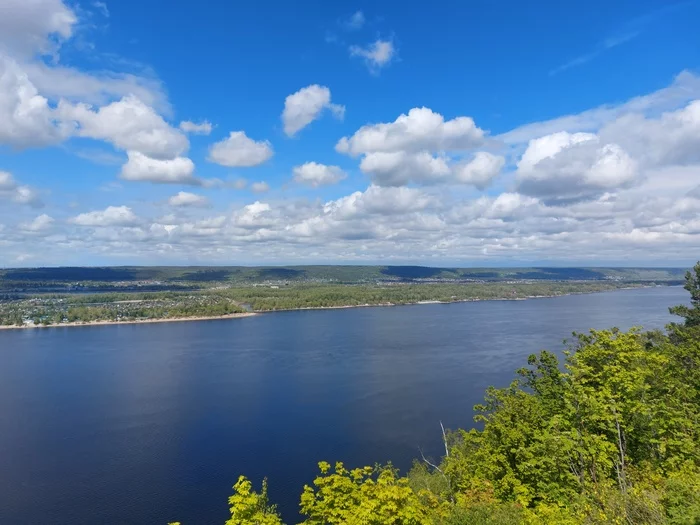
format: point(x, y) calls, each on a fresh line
point(134, 321)
point(471, 300)
point(303, 308)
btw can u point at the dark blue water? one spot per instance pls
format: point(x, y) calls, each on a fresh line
point(153, 423)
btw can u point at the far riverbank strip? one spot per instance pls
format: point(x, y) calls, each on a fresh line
point(335, 307)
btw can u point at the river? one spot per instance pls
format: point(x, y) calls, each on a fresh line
point(153, 423)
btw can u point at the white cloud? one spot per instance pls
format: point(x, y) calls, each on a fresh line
point(57, 81)
point(141, 167)
point(568, 167)
point(305, 106)
point(479, 171)
point(419, 147)
point(7, 181)
point(314, 174)
point(259, 187)
point(376, 55)
point(28, 196)
point(39, 224)
point(185, 199)
point(111, 216)
point(379, 200)
point(356, 21)
point(254, 216)
point(26, 119)
point(672, 138)
point(202, 128)
point(35, 26)
point(128, 124)
point(240, 151)
point(684, 89)
point(399, 168)
point(420, 129)
point(10, 189)
point(610, 185)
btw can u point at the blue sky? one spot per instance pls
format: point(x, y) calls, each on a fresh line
point(533, 133)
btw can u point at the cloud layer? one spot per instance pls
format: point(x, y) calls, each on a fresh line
point(618, 183)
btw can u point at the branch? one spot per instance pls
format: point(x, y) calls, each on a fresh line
point(429, 463)
point(444, 439)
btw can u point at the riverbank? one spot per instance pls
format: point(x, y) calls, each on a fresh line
point(454, 301)
point(329, 307)
point(134, 321)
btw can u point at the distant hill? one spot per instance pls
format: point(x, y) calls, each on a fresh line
point(204, 275)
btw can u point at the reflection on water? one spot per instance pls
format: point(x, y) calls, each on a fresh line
point(152, 423)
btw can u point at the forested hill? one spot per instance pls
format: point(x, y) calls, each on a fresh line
point(337, 274)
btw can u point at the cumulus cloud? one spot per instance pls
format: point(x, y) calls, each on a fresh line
point(611, 184)
point(479, 171)
point(34, 27)
point(255, 216)
point(110, 216)
point(420, 147)
point(376, 55)
point(128, 124)
point(314, 174)
point(27, 195)
point(42, 104)
point(41, 223)
point(140, 167)
point(398, 168)
point(184, 200)
point(7, 181)
point(671, 138)
point(240, 151)
point(201, 128)
point(305, 106)
point(380, 201)
point(568, 167)
point(26, 118)
point(420, 129)
point(21, 194)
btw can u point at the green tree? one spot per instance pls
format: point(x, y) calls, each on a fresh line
point(249, 507)
point(362, 496)
point(691, 313)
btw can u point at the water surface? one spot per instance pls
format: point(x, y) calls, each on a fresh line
point(151, 423)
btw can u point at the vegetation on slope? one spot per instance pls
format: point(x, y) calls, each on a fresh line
point(166, 277)
point(612, 436)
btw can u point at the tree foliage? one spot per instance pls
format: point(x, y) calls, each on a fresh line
point(249, 507)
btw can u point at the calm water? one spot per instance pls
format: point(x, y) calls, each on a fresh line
point(151, 423)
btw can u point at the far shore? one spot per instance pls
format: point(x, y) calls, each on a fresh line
point(469, 300)
point(134, 321)
point(368, 305)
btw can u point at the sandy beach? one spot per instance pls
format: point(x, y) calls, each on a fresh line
point(136, 321)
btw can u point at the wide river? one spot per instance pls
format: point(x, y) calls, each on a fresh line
point(153, 423)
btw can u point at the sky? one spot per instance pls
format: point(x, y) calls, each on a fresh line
point(455, 133)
